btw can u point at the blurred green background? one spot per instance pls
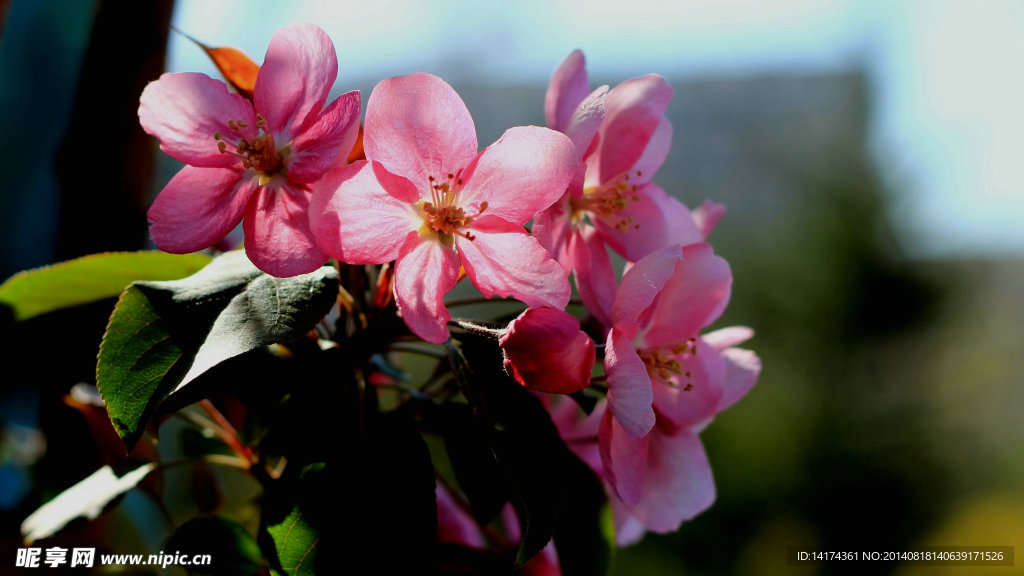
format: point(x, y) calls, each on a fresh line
point(887, 414)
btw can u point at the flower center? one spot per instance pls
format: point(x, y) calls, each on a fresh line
point(442, 215)
point(666, 364)
point(607, 199)
point(257, 154)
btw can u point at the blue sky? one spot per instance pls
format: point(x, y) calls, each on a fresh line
point(948, 114)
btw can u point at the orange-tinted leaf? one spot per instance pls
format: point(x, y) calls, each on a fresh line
point(357, 150)
point(238, 69)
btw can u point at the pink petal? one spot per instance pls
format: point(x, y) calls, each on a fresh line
point(546, 351)
point(185, 111)
point(552, 228)
point(727, 337)
point(655, 152)
point(586, 120)
point(707, 215)
point(454, 524)
point(694, 297)
point(417, 126)
point(277, 235)
point(296, 77)
point(623, 458)
point(333, 133)
point(198, 207)
point(692, 397)
point(595, 276)
point(630, 396)
point(641, 284)
point(426, 270)
point(524, 172)
point(503, 260)
point(633, 112)
point(356, 220)
point(678, 483)
point(628, 529)
point(650, 223)
point(545, 563)
point(567, 89)
point(742, 369)
point(579, 430)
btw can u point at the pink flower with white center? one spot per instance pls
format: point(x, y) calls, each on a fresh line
point(613, 202)
point(426, 198)
point(666, 383)
point(251, 162)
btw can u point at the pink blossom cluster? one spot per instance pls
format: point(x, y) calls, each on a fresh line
point(429, 200)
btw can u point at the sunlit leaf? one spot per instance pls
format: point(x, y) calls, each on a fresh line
point(238, 69)
point(295, 522)
point(135, 356)
point(87, 498)
point(91, 278)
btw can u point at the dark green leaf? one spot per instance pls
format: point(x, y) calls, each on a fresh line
point(135, 356)
point(479, 474)
point(232, 550)
point(164, 335)
point(258, 309)
point(523, 438)
point(582, 548)
point(91, 278)
point(390, 485)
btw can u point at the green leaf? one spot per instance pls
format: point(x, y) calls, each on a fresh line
point(87, 498)
point(296, 540)
point(293, 518)
point(232, 550)
point(480, 476)
point(135, 356)
point(253, 309)
point(91, 278)
point(162, 336)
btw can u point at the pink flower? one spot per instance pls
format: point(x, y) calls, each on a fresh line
point(426, 198)
point(251, 162)
point(622, 144)
point(546, 351)
point(666, 383)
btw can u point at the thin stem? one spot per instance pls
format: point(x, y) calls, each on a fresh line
point(206, 424)
point(218, 459)
point(230, 436)
point(478, 329)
